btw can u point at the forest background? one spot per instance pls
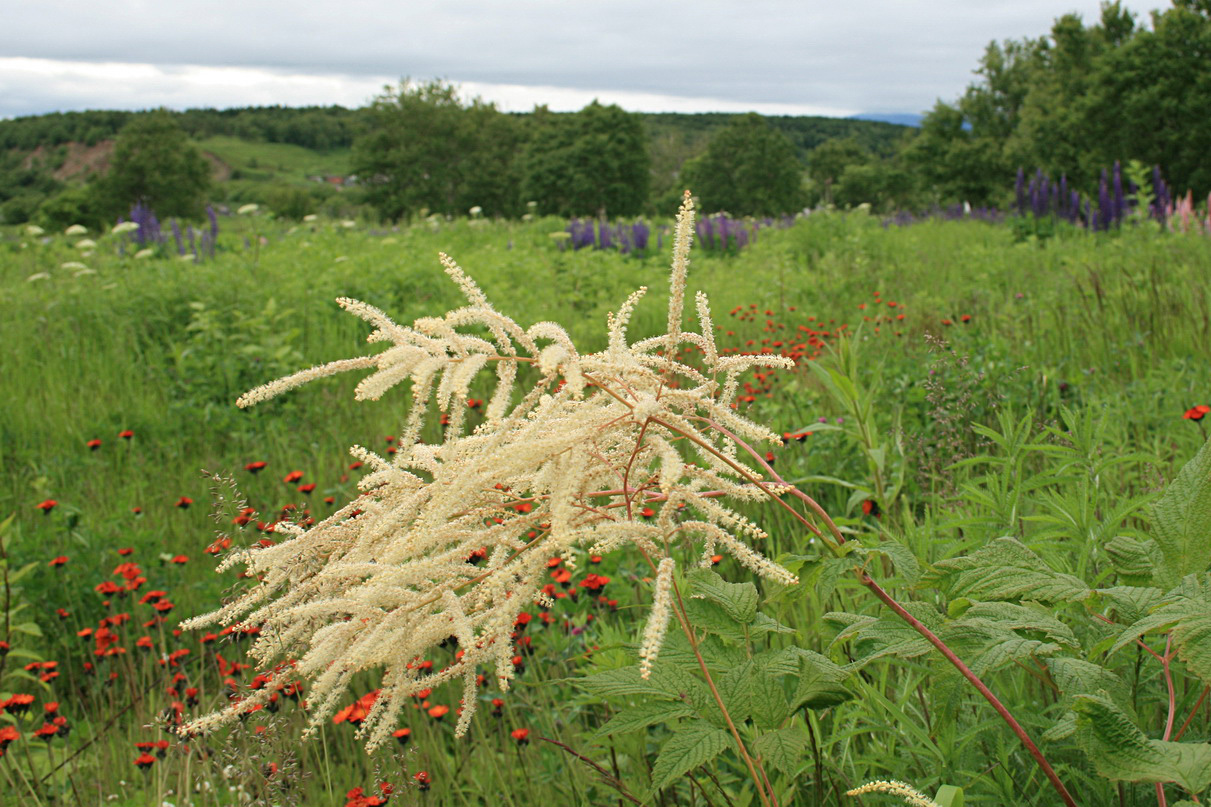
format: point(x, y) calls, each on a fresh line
point(1069, 103)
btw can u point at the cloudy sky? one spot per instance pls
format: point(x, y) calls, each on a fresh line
point(828, 57)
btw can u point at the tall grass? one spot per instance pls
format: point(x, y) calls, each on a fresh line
point(1111, 325)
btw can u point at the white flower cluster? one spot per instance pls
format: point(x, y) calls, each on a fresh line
point(567, 465)
point(910, 794)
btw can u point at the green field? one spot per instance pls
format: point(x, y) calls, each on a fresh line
point(981, 388)
point(280, 162)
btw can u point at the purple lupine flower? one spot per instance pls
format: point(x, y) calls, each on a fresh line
point(214, 224)
point(176, 234)
point(192, 245)
point(1161, 193)
point(639, 234)
point(1120, 205)
point(1105, 209)
point(604, 236)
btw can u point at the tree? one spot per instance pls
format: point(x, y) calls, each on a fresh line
point(591, 163)
point(423, 148)
point(154, 163)
point(748, 169)
point(828, 161)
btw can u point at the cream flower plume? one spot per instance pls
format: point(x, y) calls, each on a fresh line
point(591, 442)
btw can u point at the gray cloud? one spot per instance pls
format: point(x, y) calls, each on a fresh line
point(864, 55)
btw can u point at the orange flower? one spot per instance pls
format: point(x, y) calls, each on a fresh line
point(1194, 413)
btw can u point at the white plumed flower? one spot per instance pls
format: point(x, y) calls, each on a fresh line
point(590, 443)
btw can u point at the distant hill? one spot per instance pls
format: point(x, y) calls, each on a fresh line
point(898, 118)
point(252, 149)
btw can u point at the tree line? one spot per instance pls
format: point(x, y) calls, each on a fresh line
point(1070, 103)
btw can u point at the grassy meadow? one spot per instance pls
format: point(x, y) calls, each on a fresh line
point(981, 387)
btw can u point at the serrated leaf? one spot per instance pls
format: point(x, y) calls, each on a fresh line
point(682, 685)
point(735, 688)
point(621, 682)
point(1121, 752)
point(902, 558)
point(1134, 560)
point(645, 714)
point(764, 623)
point(1062, 729)
point(695, 744)
point(822, 574)
point(777, 662)
point(710, 616)
point(1013, 616)
point(1186, 611)
point(821, 683)
point(1132, 603)
point(739, 600)
point(717, 654)
point(1006, 569)
point(783, 748)
point(1077, 677)
point(885, 636)
point(770, 707)
point(1181, 521)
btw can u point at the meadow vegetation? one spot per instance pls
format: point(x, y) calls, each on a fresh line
point(995, 424)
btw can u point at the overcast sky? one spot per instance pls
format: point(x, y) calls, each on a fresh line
point(828, 57)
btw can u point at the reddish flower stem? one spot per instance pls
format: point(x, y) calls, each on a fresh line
point(889, 601)
point(1193, 712)
point(975, 681)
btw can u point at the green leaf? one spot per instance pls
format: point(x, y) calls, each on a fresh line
point(646, 714)
point(1076, 677)
point(1022, 617)
point(1134, 560)
point(818, 575)
point(784, 748)
point(885, 636)
point(739, 600)
point(1132, 603)
point(949, 796)
point(1186, 611)
point(1006, 569)
point(764, 623)
point(770, 707)
point(1181, 521)
point(16, 576)
point(710, 616)
point(620, 682)
point(695, 744)
point(28, 628)
point(1121, 752)
point(820, 683)
point(735, 688)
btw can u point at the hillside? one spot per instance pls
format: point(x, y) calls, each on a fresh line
point(261, 153)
